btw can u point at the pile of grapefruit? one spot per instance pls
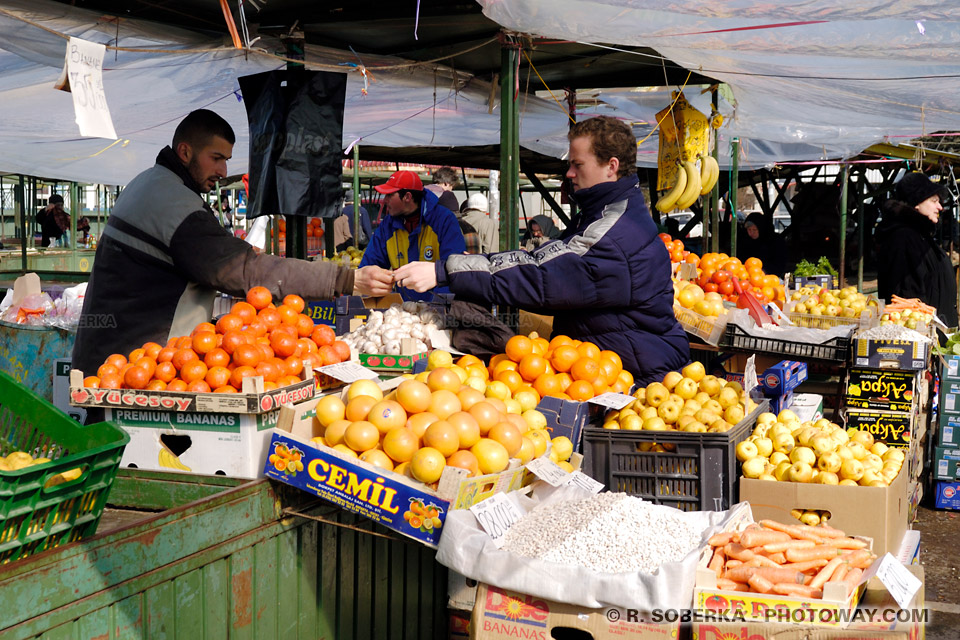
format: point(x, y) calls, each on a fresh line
point(257, 338)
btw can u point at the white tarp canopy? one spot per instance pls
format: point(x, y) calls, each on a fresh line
point(811, 79)
point(149, 92)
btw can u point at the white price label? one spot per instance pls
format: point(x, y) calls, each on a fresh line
point(584, 481)
point(496, 514)
point(548, 471)
point(82, 76)
point(348, 372)
point(901, 584)
point(615, 401)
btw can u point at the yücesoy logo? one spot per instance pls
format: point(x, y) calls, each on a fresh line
point(122, 397)
point(283, 396)
point(518, 608)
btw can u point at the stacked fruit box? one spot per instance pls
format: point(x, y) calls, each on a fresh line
point(946, 460)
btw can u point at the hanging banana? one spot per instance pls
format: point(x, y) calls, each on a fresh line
point(709, 174)
point(669, 199)
point(692, 191)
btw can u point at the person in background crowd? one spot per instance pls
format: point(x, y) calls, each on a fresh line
point(444, 182)
point(366, 229)
point(760, 241)
point(342, 238)
point(540, 230)
point(911, 264)
point(475, 219)
point(417, 227)
point(605, 280)
point(47, 218)
point(83, 229)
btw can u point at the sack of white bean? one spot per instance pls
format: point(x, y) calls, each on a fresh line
point(589, 550)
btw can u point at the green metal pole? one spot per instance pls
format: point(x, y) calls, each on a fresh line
point(509, 149)
point(712, 212)
point(861, 223)
point(356, 196)
point(75, 205)
point(732, 194)
point(845, 177)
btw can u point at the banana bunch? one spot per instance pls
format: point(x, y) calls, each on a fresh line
point(170, 461)
point(709, 174)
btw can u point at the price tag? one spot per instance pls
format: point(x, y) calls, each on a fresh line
point(496, 514)
point(584, 481)
point(901, 584)
point(615, 401)
point(348, 372)
point(548, 471)
point(82, 76)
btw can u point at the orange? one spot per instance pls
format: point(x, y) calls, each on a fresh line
point(753, 263)
point(165, 372)
point(176, 385)
point(269, 317)
point(361, 436)
point(469, 361)
point(229, 322)
point(558, 341)
point(204, 342)
point(492, 456)
point(156, 385)
point(486, 416)
point(540, 346)
point(517, 347)
point(467, 427)
point(216, 358)
point(193, 370)
point(565, 381)
point(111, 381)
point(230, 389)
point(612, 355)
point(202, 328)
point(136, 354)
point(427, 465)
point(198, 386)
point(268, 370)
point(609, 370)
point(580, 390)
point(626, 378)
point(442, 436)
point(245, 310)
point(166, 354)
point(414, 396)
point(377, 458)
point(287, 314)
point(386, 415)
point(504, 365)
point(293, 366)
point(585, 369)
point(184, 342)
point(307, 346)
point(323, 335)
point(283, 345)
point(151, 349)
point(256, 328)
point(147, 363)
point(419, 422)
point(304, 326)
point(444, 403)
point(510, 378)
point(247, 355)
point(92, 382)
point(239, 373)
point(465, 460)
point(532, 366)
point(183, 356)
point(259, 297)
point(342, 349)
point(217, 376)
point(589, 350)
point(443, 379)
point(329, 355)
point(359, 408)
point(107, 368)
point(136, 378)
point(563, 357)
point(295, 302)
point(547, 385)
point(400, 444)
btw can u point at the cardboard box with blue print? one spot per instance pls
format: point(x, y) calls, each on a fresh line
point(783, 377)
point(948, 495)
point(882, 389)
point(905, 355)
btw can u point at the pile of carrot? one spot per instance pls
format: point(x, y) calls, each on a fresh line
point(913, 304)
point(787, 559)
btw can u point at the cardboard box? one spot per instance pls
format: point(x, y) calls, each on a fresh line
point(893, 428)
point(950, 369)
point(909, 551)
point(879, 513)
point(503, 615)
point(807, 406)
point(949, 398)
point(915, 495)
point(821, 281)
point(948, 496)
point(779, 403)
point(253, 399)
point(948, 435)
point(402, 363)
point(890, 354)
point(230, 444)
point(461, 591)
point(876, 618)
point(946, 464)
point(568, 417)
point(882, 389)
point(783, 377)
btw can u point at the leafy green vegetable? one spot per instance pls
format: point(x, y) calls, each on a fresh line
point(805, 268)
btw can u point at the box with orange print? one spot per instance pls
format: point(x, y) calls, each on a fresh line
point(500, 615)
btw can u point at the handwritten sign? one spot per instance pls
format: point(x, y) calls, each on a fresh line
point(901, 584)
point(348, 372)
point(496, 514)
point(548, 471)
point(82, 76)
point(582, 480)
point(615, 401)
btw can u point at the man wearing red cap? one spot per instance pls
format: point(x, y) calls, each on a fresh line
point(417, 228)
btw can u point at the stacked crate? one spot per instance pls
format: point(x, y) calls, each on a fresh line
point(946, 459)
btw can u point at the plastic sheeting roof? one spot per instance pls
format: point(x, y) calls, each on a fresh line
point(811, 79)
point(149, 93)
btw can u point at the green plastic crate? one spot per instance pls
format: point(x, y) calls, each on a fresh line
point(35, 516)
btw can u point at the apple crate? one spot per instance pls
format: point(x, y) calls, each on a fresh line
point(707, 328)
point(833, 350)
point(701, 474)
point(867, 319)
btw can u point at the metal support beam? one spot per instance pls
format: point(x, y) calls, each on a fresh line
point(357, 199)
point(861, 226)
point(845, 179)
point(546, 195)
point(509, 147)
point(712, 212)
point(732, 196)
point(19, 197)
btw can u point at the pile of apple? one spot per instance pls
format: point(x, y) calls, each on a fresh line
point(687, 400)
point(689, 295)
point(906, 318)
point(836, 303)
point(785, 449)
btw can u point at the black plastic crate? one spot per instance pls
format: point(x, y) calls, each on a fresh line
point(834, 350)
point(702, 474)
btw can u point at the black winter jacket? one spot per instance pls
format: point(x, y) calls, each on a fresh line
point(161, 260)
point(606, 280)
point(910, 264)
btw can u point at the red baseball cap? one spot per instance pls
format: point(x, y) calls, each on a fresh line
point(401, 180)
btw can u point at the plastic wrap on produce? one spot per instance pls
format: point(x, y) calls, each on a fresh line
point(794, 334)
point(467, 549)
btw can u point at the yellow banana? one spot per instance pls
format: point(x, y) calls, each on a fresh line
point(669, 199)
point(692, 191)
point(709, 174)
point(170, 461)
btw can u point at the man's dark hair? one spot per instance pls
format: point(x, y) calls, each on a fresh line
point(55, 199)
point(200, 126)
point(417, 195)
point(610, 138)
point(445, 175)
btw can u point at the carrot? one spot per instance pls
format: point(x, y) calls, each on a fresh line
point(826, 531)
point(760, 584)
point(845, 543)
point(789, 544)
point(730, 585)
point(760, 537)
point(716, 562)
point(753, 562)
point(764, 561)
point(797, 531)
point(720, 539)
point(736, 550)
point(852, 578)
point(839, 574)
point(734, 563)
point(806, 566)
point(802, 590)
point(778, 557)
point(773, 574)
point(824, 574)
point(861, 558)
point(802, 555)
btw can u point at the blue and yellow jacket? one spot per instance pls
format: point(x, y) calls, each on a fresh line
point(438, 236)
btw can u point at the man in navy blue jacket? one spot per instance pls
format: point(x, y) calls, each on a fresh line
point(606, 279)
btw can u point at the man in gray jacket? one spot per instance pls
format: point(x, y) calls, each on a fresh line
point(164, 255)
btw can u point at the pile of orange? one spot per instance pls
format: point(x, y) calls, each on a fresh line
point(257, 338)
point(562, 368)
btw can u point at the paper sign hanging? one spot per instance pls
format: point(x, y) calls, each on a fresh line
point(82, 76)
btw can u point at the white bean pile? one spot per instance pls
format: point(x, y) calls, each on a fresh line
point(609, 532)
point(894, 332)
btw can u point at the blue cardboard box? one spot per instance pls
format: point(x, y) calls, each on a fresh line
point(779, 403)
point(948, 495)
point(783, 377)
point(568, 417)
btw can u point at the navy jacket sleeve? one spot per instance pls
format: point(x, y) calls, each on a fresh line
point(376, 251)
